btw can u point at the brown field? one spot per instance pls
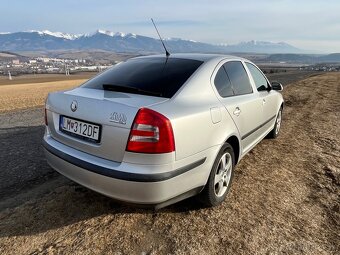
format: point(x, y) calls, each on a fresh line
point(31, 92)
point(285, 197)
point(41, 78)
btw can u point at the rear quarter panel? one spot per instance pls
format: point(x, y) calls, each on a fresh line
point(195, 131)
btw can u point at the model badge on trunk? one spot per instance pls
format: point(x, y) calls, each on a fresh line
point(118, 118)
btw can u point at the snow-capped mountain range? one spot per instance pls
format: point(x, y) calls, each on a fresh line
point(34, 40)
point(57, 34)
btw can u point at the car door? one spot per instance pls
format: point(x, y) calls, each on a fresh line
point(267, 96)
point(243, 105)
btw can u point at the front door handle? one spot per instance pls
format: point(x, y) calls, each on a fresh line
point(263, 101)
point(237, 111)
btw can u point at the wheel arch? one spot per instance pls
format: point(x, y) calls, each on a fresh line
point(235, 144)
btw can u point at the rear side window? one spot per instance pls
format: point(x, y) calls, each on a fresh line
point(238, 77)
point(223, 84)
point(259, 79)
point(158, 76)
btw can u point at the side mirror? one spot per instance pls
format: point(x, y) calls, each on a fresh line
point(277, 86)
point(262, 88)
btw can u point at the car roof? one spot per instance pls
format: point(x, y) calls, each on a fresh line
point(196, 56)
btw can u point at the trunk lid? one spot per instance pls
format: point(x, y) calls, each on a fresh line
point(113, 111)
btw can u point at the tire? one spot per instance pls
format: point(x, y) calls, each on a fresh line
point(220, 180)
point(276, 130)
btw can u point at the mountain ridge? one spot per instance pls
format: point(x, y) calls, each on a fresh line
point(128, 42)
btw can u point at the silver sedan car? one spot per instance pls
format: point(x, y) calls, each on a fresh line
point(155, 130)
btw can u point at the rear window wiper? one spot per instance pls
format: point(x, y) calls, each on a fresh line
point(128, 89)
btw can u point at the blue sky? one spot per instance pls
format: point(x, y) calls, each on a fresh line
point(307, 24)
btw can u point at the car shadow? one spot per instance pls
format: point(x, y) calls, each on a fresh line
point(21, 159)
point(35, 198)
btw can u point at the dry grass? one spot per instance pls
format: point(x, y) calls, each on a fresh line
point(41, 78)
point(22, 96)
point(284, 200)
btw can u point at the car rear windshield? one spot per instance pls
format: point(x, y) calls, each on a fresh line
point(157, 76)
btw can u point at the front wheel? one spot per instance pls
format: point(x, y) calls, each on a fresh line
point(276, 130)
point(220, 178)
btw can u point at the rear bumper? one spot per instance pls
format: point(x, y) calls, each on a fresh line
point(127, 182)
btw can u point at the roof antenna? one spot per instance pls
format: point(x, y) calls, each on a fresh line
point(166, 51)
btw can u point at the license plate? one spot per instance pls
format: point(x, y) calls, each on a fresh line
point(78, 128)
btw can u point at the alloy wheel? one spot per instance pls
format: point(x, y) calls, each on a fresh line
point(223, 174)
point(278, 122)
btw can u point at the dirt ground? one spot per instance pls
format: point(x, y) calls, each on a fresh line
point(285, 197)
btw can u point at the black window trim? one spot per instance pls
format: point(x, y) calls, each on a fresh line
point(251, 85)
point(221, 64)
point(268, 83)
point(244, 68)
point(232, 87)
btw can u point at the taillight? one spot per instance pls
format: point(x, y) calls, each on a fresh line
point(151, 132)
point(46, 123)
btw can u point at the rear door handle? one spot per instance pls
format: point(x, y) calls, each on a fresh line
point(237, 111)
point(263, 101)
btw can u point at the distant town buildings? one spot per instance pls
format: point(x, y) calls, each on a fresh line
point(331, 67)
point(50, 65)
point(42, 65)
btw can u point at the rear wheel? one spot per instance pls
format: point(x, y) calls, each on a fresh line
point(220, 178)
point(276, 130)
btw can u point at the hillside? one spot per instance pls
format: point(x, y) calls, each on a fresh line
point(303, 58)
point(8, 56)
point(284, 198)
